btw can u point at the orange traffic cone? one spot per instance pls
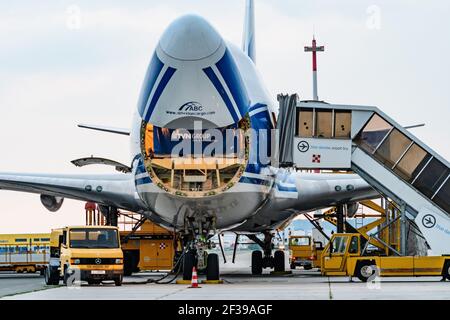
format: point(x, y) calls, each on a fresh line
point(194, 281)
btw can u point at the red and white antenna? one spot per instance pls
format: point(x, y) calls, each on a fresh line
point(314, 49)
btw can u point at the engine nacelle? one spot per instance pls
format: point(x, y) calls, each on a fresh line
point(352, 209)
point(52, 203)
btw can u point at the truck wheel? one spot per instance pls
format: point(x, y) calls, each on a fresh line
point(188, 264)
point(307, 266)
point(292, 266)
point(365, 270)
point(212, 267)
point(278, 261)
point(127, 263)
point(446, 271)
point(257, 262)
point(118, 281)
point(51, 277)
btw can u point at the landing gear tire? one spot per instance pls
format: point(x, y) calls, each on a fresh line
point(188, 264)
point(257, 262)
point(212, 267)
point(446, 271)
point(118, 281)
point(365, 271)
point(51, 277)
point(278, 261)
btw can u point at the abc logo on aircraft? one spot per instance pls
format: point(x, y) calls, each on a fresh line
point(191, 107)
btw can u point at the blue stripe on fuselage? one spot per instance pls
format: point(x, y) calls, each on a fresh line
point(230, 73)
point(142, 181)
point(254, 181)
point(286, 189)
point(216, 82)
point(158, 92)
point(140, 169)
point(153, 71)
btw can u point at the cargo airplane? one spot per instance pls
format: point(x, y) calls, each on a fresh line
point(197, 86)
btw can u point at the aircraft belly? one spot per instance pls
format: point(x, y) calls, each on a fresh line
point(230, 208)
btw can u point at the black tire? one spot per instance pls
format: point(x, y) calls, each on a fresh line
point(51, 277)
point(365, 270)
point(127, 263)
point(292, 266)
point(212, 267)
point(188, 264)
point(278, 261)
point(307, 266)
point(118, 281)
point(257, 262)
point(446, 271)
point(130, 262)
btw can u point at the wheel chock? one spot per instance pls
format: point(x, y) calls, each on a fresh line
point(211, 282)
point(280, 273)
point(181, 281)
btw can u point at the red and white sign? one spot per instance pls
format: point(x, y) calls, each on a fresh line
point(316, 158)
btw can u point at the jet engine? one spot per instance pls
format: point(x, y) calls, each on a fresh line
point(52, 203)
point(352, 209)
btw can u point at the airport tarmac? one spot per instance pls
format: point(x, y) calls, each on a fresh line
point(12, 283)
point(239, 284)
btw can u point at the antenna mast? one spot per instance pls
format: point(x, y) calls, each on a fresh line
point(314, 49)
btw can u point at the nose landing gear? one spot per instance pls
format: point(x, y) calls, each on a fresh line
point(198, 244)
point(204, 263)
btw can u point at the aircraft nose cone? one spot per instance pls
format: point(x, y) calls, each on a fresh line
point(190, 38)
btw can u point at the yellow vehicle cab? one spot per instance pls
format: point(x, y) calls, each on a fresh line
point(85, 253)
point(304, 252)
point(345, 255)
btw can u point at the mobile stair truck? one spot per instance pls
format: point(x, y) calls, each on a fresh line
point(85, 253)
point(394, 162)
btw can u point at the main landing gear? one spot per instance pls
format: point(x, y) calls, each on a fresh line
point(264, 259)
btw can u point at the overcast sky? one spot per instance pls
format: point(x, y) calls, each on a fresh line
point(67, 62)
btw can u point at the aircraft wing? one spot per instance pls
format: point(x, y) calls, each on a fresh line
point(112, 190)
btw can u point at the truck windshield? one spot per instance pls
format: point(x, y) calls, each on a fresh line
point(339, 244)
point(93, 238)
point(299, 242)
